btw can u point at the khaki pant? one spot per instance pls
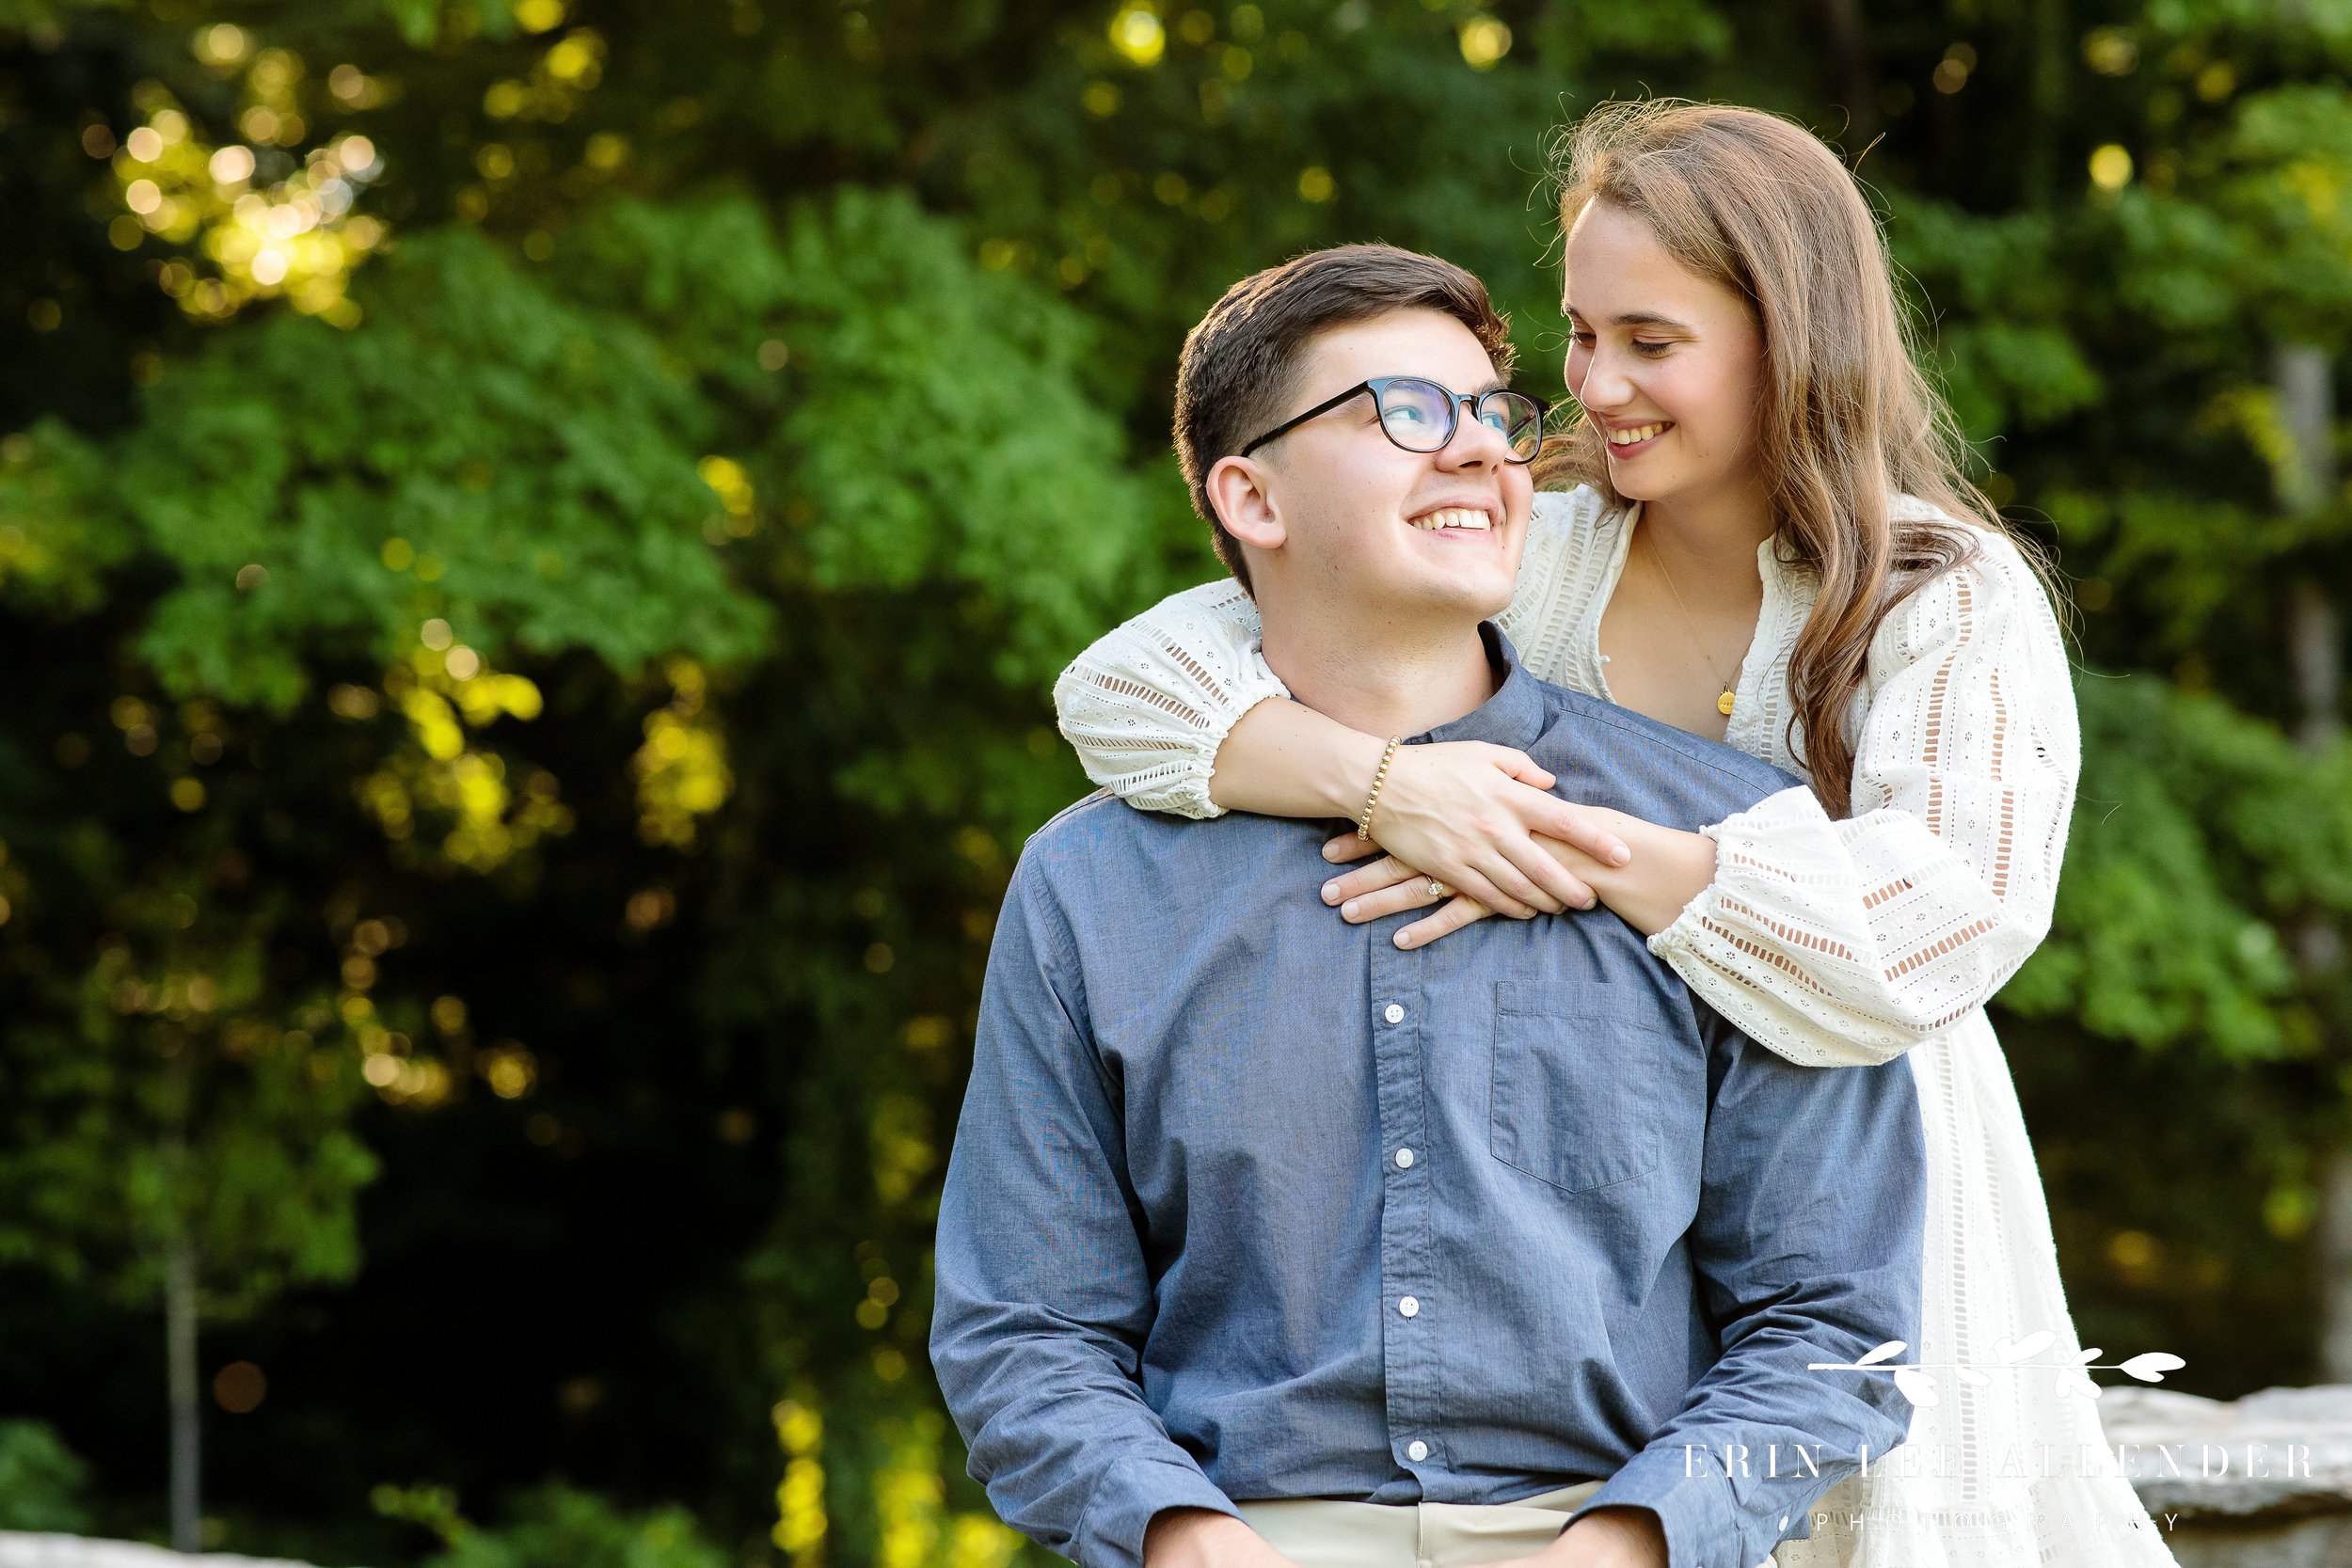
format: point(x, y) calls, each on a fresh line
point(1316, 1532)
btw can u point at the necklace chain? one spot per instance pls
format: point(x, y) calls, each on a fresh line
point(1723, 703)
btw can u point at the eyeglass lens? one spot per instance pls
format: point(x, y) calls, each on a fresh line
point(1419, 416)
point(1518, 419)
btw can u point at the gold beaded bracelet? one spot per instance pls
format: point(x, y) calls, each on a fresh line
point(1363, 822)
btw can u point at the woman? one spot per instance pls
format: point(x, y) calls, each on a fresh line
point(1769, 542)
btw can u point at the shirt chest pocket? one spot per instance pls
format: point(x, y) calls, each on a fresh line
point(1593, 1083)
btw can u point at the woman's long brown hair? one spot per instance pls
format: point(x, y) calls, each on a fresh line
point(1846, 423)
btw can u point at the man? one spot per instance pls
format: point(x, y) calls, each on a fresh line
point(1266, 1243)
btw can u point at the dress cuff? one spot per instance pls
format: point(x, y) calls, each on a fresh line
point(1188, 794)
point(1682, 934)
point(1126, 1499)
point(1171, 773)
point(1688, 1491)
point(1773, 817)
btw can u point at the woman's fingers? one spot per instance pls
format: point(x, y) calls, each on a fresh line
point(1457, 914)
point(1568, 890)
point(1558, 819)
point(1383, 873)
point(1387, 901)
point(1546, 887)
point(1480, 887)
point(1518, 764)
point(1477, 817)
point(1516, 886)
point(1411, 894)
point(1389, 885)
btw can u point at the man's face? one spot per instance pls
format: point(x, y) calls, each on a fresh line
point(1356, 517)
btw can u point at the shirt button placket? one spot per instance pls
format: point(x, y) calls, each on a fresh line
point(1410, 1352)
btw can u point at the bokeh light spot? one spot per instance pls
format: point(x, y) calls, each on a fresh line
point(1484, 41)
point(240, 1386)
point(1135, 32)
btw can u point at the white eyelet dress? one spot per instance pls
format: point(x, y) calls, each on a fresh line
point(1831, 942)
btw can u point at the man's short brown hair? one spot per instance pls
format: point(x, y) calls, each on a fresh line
point(1239, 371)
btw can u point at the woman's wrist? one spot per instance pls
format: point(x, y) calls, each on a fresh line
point(1350, 763)
point(1669, 869)
point(1284, 759)
point(1372, 797)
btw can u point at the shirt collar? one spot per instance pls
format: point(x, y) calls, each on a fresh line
point(1514, 716)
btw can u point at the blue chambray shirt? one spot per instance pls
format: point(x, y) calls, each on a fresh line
point(1245, 1202)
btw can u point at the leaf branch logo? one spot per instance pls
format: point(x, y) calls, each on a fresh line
point(1918, 1380)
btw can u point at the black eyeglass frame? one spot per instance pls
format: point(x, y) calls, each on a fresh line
point(1455, 403)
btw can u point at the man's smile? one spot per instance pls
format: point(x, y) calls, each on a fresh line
point(1475, 518)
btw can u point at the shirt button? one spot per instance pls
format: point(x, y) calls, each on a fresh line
point(1393, 1013)
point(1405, 1158)
point(1417, 1451)
point(1410, 1306)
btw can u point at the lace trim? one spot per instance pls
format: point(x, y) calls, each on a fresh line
point(1899, 920)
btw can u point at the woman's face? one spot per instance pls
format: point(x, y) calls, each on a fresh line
point(1667, 363)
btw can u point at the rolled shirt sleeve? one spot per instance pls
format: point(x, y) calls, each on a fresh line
point(1043, 1296)
point(1808, 1246)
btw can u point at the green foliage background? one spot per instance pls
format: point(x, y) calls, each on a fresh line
point(504, 782)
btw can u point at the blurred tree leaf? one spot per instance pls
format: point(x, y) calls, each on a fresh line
point(2201, 837)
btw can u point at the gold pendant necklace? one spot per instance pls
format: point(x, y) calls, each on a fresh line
point(1723, 703)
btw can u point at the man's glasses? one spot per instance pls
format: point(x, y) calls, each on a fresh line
point(1418, 415)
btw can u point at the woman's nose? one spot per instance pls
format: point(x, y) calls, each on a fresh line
point(1604, 385)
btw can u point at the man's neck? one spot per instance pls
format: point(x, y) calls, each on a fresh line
point(1381, 673)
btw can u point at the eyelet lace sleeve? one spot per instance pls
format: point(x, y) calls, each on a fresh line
point(1148, 706)
point(1850, 942)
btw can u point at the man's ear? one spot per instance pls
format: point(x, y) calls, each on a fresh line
point(1240, 490)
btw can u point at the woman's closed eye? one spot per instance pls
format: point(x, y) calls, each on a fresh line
point(1649, 348)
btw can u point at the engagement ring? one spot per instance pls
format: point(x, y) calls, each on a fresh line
point(1437, 888)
